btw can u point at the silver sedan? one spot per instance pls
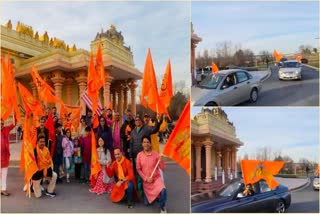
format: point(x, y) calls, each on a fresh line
point(227, 88)
point(290, 69)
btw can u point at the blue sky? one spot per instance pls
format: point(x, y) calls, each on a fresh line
point(162, 26)
point(291, 131)
point(257, 25)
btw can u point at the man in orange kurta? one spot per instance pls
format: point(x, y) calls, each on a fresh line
point(148, 169)
point(122, 170)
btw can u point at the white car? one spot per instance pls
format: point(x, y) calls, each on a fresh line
point(290, 70)
point(316, 182)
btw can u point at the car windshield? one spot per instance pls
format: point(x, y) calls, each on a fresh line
point(211, 81)
point(291, 64)
point(229, 189)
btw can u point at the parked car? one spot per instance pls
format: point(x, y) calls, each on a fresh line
point(230, 199)
point(291, 69)
point(226, 88)
point(304, 61)
point(316, 182)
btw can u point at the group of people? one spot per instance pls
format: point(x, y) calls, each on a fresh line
point(128, 152)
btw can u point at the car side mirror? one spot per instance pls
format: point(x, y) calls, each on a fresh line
point(240, 195)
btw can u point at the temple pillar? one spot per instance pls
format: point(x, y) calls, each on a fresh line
point(198, 146)
point(120, 98)
point(219, 155)
point(68, 84)
point(208, 145)
point(125, 98)
point(114, 99)
point(58, 80)
point(133, 85)
point(106, 90)
point(82, 83)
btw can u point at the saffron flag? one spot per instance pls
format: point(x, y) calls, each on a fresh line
point(95, 165)
point(299, 57)
point(149, 91)
point(215, 68)
point(70, 115)
point(31, 105)
point(277, 55)
point(44, 90)
point(99, 64)
point(166, 92)
point(52, 135)
point(255, 170)
point(94, 84)
point(178, 144)
point(318, 170)
point(30, 164)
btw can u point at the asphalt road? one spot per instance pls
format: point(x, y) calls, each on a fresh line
point(75, 197)
point(305, 200)
point(289, 92)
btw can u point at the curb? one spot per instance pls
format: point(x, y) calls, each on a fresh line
point(301, 186)
point(310, 66)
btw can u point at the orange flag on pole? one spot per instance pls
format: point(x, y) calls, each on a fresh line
point(166, 92)
point(95, 165)
point(149, 91)
point(178, 144)
point(70, 114)
point(99, 64)
point(277, 55)
point(45, 91)
point(30, 165)
point(299, 57)
point(215, 68)
point(31, 105)
point(94, 84)
point(255, 170)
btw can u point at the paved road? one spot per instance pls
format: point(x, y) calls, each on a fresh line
point(304, 200)
point(290, 93)
point(75, 197)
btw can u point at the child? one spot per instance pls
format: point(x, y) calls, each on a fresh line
point(67, 146)
point(104, 183)
point(77, 157)
point(85, 143)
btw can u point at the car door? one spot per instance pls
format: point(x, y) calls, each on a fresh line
point(244, 86)
point(242, 205)
point(265, 197)
point(229, 96)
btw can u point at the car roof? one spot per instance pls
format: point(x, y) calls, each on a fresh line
point(228, 71)
point(291, 61)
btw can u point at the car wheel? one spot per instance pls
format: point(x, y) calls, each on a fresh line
point(211, 104)
point(280, 208)
point(254, 95)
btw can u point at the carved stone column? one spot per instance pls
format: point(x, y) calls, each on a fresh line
point(125, 98)
point(120, 98)
point(114, 99)
point(82, 83)
point(198, 146)
point(208, 145)
point(34, 89)
point(106, 90)
point(68, 84)
point(133, 85)
point(219, 155)
point(57, 80)
point(228, 159)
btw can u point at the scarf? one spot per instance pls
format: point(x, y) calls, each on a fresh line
point(116, 134)
point(120, 170)
point(44, 160)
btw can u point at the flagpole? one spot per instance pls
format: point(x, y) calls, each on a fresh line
point(155, 168)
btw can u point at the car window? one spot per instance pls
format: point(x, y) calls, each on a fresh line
point(291, 64)
point(230, 189)
point(211, 81)
point(264, 186)
point(242, 76)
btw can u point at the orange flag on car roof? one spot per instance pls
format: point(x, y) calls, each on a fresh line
point(95, 165)
point(179, 142)
point(299, 57)
point(149, 91)
point(277, 55)
point(166, 92)
point(255, 170)
point(99, 64)
point(215, 68)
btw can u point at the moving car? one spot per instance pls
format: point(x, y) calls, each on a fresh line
point(316, 182)
point(282, 60)
point(291, 69)
point(230, 199)
point(226, 88)
point(304, 61)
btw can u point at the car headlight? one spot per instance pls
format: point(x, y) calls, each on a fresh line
point(296, 72)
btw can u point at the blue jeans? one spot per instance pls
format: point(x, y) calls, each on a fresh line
point(86, 171)
point(57, 161)
point(129, 191)
point(162, 201)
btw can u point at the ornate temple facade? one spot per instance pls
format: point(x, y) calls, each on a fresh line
point(214, 146)
point(65, 67)
point(195, 39)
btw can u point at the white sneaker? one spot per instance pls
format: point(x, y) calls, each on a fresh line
point(42, 189)
point(164, 210)
point(25, 188)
